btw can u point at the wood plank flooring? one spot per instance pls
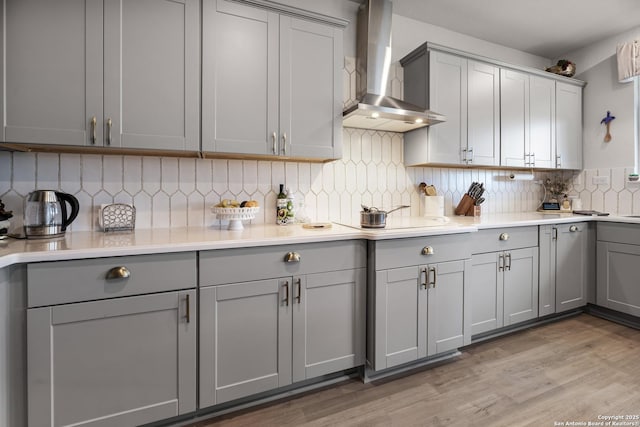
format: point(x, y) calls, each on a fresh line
point(571, 371)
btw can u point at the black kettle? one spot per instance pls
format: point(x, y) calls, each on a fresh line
point(46, 214)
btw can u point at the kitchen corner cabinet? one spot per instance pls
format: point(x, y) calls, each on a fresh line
point(271, 83)
point(418, 299)
point(567, 267)
point(467, 92)
point(105, 347)
point(568, 126)
point(297, 313)
point(103, 73)
point(618, 267)
point(504, 267)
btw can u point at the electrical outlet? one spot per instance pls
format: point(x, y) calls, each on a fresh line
point(600, 180)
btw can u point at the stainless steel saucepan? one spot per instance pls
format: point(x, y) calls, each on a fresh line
point(374, 217)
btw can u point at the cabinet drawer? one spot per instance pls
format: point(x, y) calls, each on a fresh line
point(396, 253)
point(514, 237)
point(618, 232)
point(59, 282)
point(258, 263)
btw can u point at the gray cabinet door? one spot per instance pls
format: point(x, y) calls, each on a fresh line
point(151, 74)
point(542, 126)
point(514, 117)
point(486, 289)
point(568, 126)
point(574, 267)
point(520, 285)
point(240, 69)
point(52, 86)
point(245, 339)
point(483, 114)
point(448, 96)
point(547, 270)
point(125, 361)
point(310, 89)
point(618, 270)
point(328, 322)
point(446, 317)
point(400, 317)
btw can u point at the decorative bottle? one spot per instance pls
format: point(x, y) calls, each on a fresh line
point(282, 214)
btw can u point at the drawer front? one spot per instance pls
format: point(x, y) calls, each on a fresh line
point(618, 232)
point(504, 239)
point(60, 282)
point(258, 263)
point(397, 253)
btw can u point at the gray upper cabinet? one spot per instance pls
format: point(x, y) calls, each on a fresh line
point(151, 74)
point(514, 115)
point(104, 73)
point(52, 85)
point(271, 83)
point(568, 126)
point(467, 93)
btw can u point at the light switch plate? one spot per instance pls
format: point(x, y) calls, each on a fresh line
point(600, 180)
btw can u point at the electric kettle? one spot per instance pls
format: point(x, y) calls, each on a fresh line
point(45, 213)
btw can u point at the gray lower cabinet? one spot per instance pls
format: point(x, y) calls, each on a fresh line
point(103, 73)
point(504, 285)
point(119, 360)
point(418, 310)
point(567, 267)
point(260, 334)
point(618, 267)
point(271, 82)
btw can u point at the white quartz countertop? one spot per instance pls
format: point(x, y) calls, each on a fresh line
point(86, 244)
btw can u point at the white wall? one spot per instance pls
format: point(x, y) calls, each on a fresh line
point(596, 64)
point(409, 33)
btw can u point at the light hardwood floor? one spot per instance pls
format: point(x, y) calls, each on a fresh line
point(574, 370)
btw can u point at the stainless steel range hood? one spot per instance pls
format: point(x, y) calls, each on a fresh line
point(375, 110)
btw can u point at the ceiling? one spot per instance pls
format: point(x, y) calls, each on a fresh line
point(547, 28)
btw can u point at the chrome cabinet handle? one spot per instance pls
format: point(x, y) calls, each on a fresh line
point(286, 293)
point(559, 161)
point(470, 160)
point(435, 276)
point(573, 228)
point(284, 143)
point(464, 155)
point(507, 266)
point(501, 262)
point(94, 124)
point(188, 311)
point(425, 282)
point(118, 273)
point(427, 250)
point(109, 125)
point(554, 234)
point(292, 257)
point(504, 236)
point(274, 138)
point(533, 163)
point(299, 295)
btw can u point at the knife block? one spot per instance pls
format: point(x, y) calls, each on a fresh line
point(466, 205)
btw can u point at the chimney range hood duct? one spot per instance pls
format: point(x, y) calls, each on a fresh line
point(374, 110)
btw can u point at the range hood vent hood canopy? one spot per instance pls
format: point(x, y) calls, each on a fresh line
point(375, 110)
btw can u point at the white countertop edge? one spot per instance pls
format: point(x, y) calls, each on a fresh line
point(85, 245)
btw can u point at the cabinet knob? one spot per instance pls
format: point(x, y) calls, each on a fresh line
point(573, 228)
point(118, 273)
point(428, 250)
point(292, 257)
point(504, 236)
